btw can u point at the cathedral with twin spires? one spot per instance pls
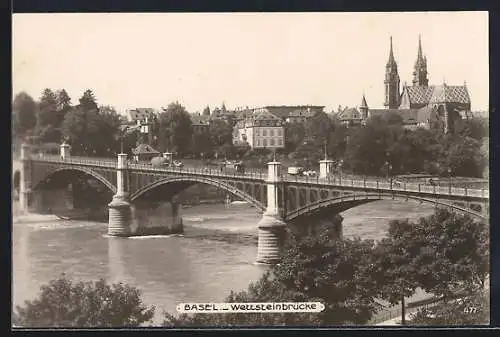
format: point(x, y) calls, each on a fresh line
point(418, 104)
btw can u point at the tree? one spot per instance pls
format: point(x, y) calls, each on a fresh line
point(221, 133)
point(294, 136)
point(476, 128)
point(395, 267)
point(23, 114)
point(88, 101)
point(63, 105)
point(91, 131)
point(463, 156)
point(452, 254)
point(48, 124)
point(318, 128)
point(176, 129)
point(206, 111)
point(63, 303)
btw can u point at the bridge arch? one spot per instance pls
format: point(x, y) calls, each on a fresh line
point(203, 180)
point(343, 203)
point(87, 171)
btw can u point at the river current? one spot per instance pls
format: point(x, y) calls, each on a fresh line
point(215, 255)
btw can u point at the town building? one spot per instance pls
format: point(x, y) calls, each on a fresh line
point(200, 123)
point(292, 113)
point(144, 152)
point(260, 130)
point(419, 104)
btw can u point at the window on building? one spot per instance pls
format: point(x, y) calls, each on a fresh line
point(279, 132)
point(257, 132)
point(271, 142)
point(264, 132)
point(258, 142)
point(271, 132)
point(280, 142)
point(264, 142)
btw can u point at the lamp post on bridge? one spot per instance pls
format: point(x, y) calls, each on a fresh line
point(341, 163)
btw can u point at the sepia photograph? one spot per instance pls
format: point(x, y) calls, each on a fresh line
point(212, 170)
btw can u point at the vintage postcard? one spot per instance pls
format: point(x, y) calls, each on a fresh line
point(250, 169)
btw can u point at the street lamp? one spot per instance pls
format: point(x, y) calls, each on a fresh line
point(341, 162)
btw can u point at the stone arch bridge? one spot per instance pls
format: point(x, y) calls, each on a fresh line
point(281, 199)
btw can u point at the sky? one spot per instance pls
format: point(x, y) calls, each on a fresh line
point(244, 59)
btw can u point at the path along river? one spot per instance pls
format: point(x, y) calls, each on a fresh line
point(215, 255)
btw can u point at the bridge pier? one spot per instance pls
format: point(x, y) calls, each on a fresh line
point(271, 226)
point(120, 212)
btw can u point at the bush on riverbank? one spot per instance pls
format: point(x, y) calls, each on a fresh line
point(62, 303)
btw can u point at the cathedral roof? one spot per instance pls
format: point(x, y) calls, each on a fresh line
point(438, 94)
point(450, 94)
point(419, 94)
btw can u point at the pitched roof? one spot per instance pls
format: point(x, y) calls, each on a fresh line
point(450, 94)
point(349, 113)
point(144, 149)
point(438, 94)
point(139, 113)
point(419, 94)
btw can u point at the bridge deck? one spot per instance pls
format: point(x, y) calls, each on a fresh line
point(260, 175)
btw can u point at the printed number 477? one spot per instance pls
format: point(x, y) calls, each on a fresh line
point(470, 310)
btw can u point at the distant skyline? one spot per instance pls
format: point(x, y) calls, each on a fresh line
point(244, 59)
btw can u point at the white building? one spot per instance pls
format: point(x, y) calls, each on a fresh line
point(261, 130)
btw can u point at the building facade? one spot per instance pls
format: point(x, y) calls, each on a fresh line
point(260, 130)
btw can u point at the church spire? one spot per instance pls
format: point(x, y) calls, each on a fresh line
point(420, 70)
point(363, 108)
point(391, 81)
point(391, 62)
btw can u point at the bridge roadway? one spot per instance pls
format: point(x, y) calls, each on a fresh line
point(261, 175)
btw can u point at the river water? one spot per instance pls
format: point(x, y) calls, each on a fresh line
point(215, 255)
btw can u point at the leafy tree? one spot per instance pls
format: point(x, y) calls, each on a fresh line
point(176, 129)
point(206, 111)
point(201, 144)
point(48, 123)
point(91, 131)
point(63, 303)
point(63, 105)
point(463, 156)
point(221, 133)
point(452, 254)
point(294, 136)
point(23, 114)
point(395, 267)
point(88, 101)
point(318, 128)
point(476, 128)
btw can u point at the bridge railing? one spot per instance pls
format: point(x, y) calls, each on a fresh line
point(91, 161)
point(208, 171)
point(393, 186)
